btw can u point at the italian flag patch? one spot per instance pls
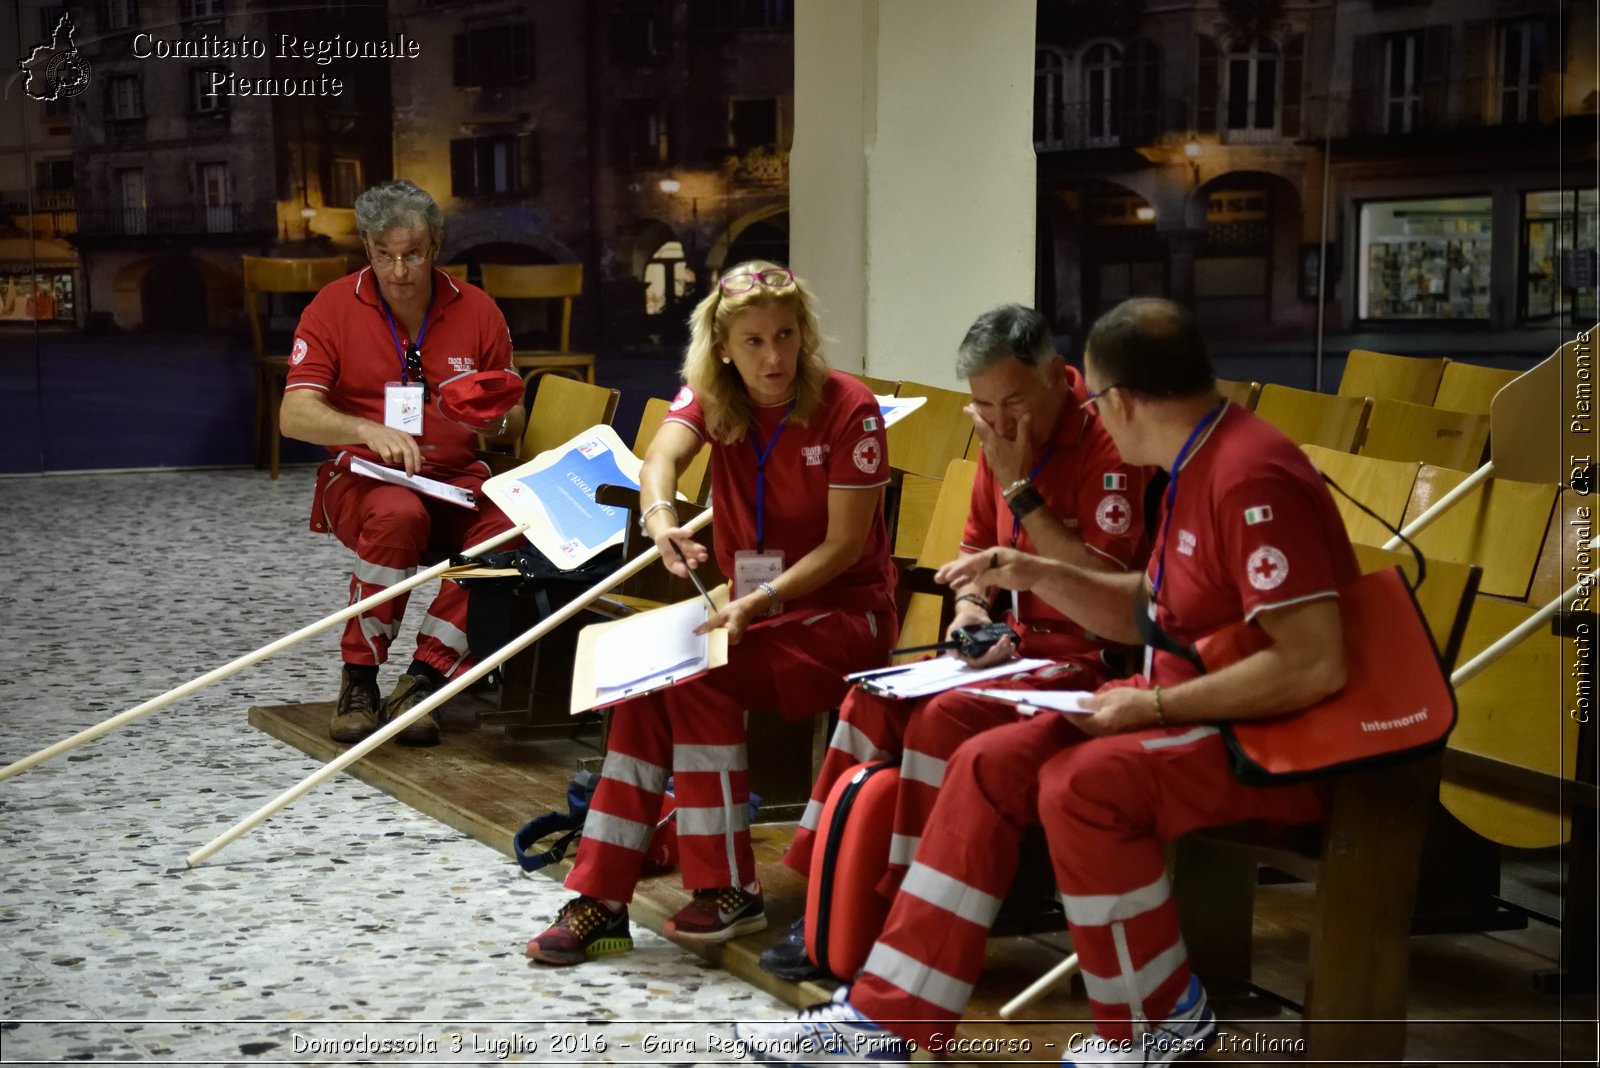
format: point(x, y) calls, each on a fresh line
point(869, 423)
point(1260, 514)
point(1115, 481)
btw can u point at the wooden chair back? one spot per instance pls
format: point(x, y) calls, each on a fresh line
point(1382, 485)
point(1397, 430)
point(695, 481)
point(944, 519)
point(924, 442)
point(1469, 387)
point(1500, 526)
point(1310, 418)
point(1380, 375)
point(272, 274)
point(543, 281)
point(882, 387)
point(1244, 394)
point(562, 408)
point(457, 271)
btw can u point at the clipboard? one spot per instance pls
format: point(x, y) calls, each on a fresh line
point(936, 675)
point(1028, 702)
point(554, 494)
point(586, 694)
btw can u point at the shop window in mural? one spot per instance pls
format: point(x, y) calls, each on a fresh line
point(42, 297)
point(1425, 259)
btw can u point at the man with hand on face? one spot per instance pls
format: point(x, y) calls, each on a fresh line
point(400, 365)
point(1049, 481)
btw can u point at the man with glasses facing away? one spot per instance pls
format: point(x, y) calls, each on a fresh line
point(404, 366)
point(1248, 532)
point(1049, 481)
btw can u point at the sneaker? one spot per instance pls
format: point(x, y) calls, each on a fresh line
point(407, 694)
point(584, 930)
point(788, 959)
point(718, 915)
point(1184, 1033)
point(356, 714)
point(829, 1033)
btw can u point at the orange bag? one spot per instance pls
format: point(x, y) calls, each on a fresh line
point(1396, 702)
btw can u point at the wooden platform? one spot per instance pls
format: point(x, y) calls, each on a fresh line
point(1471, 996)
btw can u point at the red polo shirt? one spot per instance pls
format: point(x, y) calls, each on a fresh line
point(343, 346)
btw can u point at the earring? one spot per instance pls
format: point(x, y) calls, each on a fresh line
point(727, 359)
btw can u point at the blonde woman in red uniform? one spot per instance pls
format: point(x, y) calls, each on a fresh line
point(799, 461)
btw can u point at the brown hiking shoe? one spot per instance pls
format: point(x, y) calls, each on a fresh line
point(407, 694)
point(356, 714)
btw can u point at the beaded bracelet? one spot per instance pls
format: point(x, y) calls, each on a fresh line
point(975, 598)
point(1161, 719)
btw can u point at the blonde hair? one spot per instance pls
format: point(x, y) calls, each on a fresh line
point(717, 385)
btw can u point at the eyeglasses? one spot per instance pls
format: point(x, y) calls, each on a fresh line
point(744, 282)
point(1089, 405)
point(386, 262)
point(414, 370)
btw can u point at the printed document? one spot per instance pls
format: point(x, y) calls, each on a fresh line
point(656, 649)
point(430, 486)
point(937, 675)
point(1031, 701)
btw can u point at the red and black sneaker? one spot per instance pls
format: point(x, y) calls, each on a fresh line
point(584, 929)
point(718, 915)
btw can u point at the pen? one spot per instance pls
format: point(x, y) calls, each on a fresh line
point(694, 578)
point(881, 674)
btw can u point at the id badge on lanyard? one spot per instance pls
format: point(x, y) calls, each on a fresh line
point(751, 568)
point(402, 406)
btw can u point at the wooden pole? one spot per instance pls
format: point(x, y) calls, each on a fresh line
point(449, 690)
point(200, 683)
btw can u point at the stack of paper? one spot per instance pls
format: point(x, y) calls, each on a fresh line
point(658, 649)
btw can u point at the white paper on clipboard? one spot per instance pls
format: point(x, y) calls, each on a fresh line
point(936, 675)
point(1030, 701)
point(554, 494)
point(444, 491)
point(640, 653)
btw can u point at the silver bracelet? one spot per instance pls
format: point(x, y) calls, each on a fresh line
point(652, 510)
point(1015, 486)
point(771, 591)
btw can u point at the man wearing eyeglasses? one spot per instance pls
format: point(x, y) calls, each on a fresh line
point(1049, 481)
point(403, 366)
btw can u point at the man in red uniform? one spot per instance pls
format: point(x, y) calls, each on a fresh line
point(1049, 481)
point(389, 367)
point(1248, 532)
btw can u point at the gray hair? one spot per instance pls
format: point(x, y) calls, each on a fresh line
point(398, 205)
point(1011, 331)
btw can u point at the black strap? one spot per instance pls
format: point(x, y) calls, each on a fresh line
point(1156, 637)
point(1422, 562)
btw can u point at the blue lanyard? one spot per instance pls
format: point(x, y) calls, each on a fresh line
point(1016, 524)
point(417, 345)
point(1172, 493)
point(761, 475)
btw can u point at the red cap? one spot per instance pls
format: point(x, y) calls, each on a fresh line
point(479, 398)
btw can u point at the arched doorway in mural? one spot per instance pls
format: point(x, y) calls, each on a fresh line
point(1245, 268)
point(172, 295)
point(1123, 254)
point(763, 239)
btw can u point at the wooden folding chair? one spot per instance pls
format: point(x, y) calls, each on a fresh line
point(1310, 418)
point(266, 275)
point(1380, 375)
point(882, 387)
point(1363, 861)
point(557, 281)
point(1499, 526)
point(455, 270)
point(1469, 387)
point(563, 407)
point(695, 482)
point(1244, 394)
point(926, 441)
point(1397, 430)
point(924, 611)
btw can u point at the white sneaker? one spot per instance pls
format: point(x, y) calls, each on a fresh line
point(1185, 1033)
point(829, 1033)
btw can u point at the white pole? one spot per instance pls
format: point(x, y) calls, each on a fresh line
point(1438, 508)
point(123, 718)
point(449, 690)
point(1041, 986)
point(1516, 635)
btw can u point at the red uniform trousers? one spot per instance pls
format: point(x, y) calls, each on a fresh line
point(925, 733)
point(1107, 805)
point(391, 529)
point(696, 732)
